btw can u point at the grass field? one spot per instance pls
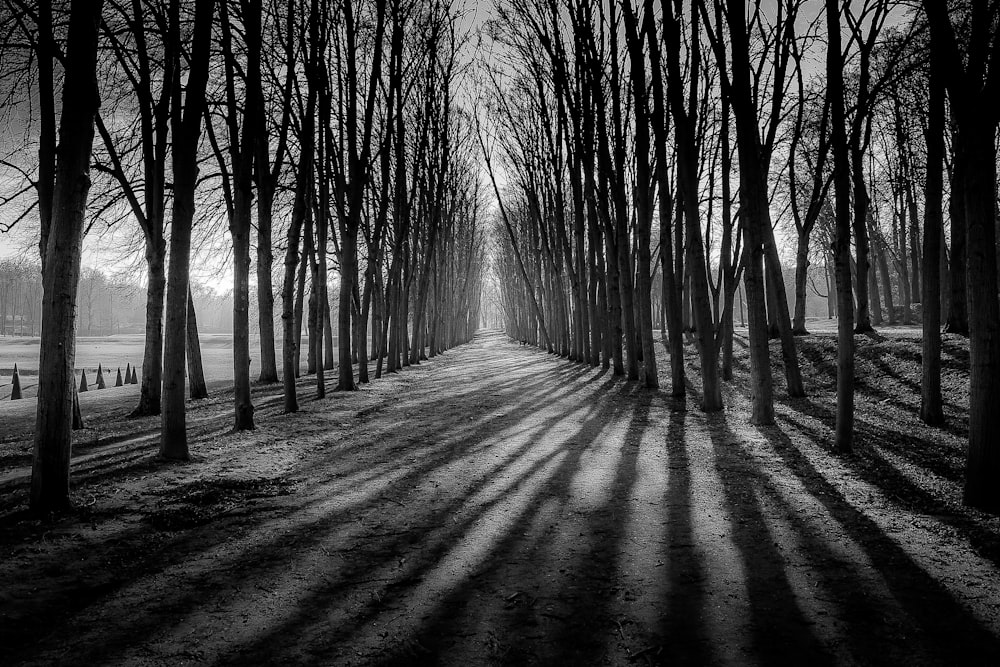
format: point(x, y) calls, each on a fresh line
point(111, 352)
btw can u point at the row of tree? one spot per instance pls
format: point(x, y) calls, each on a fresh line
point(326, 131)
point(714, 119)
point(20, 298)
point(106, 305)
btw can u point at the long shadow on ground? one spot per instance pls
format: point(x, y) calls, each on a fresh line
point(505, 507)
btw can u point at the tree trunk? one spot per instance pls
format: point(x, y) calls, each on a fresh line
point(642, 198)
point(875, 303)
point(152, 360)
point(265, 288)
point(61, 264)
point(883, 269)
point(982, 482)
point(903, 251)
point(240, 231)
point(348, 274)
point(789, 354)
point(187, 131)
point(844, 429)
point(290, 309)
point(931, 409)
point(753, 217)
point(831, 296)
point(861, 203)
point(329, 351)
point(300, 295)
point(801, 275)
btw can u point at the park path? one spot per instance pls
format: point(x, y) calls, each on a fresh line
point(495, 505)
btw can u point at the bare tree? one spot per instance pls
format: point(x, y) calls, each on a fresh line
point(63, 236)
point(186, 129)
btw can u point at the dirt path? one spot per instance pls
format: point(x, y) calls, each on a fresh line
point(494, 506)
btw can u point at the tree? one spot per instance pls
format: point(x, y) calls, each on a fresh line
point(149, 76)
point(643, 193)
point(266, 175)
point(186, 130)
point(660, 125)
point(63, 236)
point(844, 433)
point(931, 410)
point(243, 140)
point(684, 115)
point(352, 177)
point(874, 12)
point(301, 207)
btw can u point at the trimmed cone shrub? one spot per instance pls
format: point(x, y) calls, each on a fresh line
point(15, 390)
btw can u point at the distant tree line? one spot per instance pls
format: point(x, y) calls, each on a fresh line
point(107, 305)
point(20, 298)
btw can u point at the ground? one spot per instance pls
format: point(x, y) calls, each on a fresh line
point(500, 505)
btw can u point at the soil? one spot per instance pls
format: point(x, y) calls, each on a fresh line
point(500, 505)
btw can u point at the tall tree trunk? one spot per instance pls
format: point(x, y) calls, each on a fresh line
point(915, 254)
point(243, 402)
point(671, 291)
point(187, 131)
point(643, 199)
point(300, 295)
point(874, 302)
point(348, 274)
point(754, 216)
point(152, 359)
point(931, 409)
point(61, 263)
point(844, 430)
point(982, 483)
point(265, 287)
point(290, 318)
point(862, 262)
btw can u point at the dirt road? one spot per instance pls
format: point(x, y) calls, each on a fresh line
point(495, 505)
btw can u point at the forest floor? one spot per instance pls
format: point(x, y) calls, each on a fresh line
point(499, 505)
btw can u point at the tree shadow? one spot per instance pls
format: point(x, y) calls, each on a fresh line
point(780, 629)
point(883, 449)
point(947, 633)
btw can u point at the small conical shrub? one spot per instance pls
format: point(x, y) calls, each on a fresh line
point(100, 378)
point(134, 380)
point(77, 415)
point(83, 381)
point(15, 390)
point(128, 373)
point(118, 380)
